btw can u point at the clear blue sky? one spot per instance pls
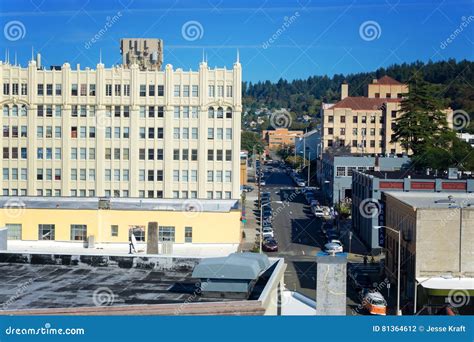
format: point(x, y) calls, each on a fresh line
point(321, 37)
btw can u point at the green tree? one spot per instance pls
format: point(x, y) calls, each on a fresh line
point(251, 140)
point(423, 123)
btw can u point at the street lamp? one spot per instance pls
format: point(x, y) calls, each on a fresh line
point(399, 261)
point(261, 223)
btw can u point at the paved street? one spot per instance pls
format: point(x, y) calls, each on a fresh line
point(299, 236)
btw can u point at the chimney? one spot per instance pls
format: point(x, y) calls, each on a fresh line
point(375, 81)
point(344, 91)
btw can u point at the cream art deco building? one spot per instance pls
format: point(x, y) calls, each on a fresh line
point(121, 131)
point(364, 124)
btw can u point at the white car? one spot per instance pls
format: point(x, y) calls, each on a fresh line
point(300, 182)
point(267, 232)
point(262, 182)
point(334, 247)
point(318, 212)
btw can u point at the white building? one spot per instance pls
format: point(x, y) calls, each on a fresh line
point(120, 131)
point(467, 137)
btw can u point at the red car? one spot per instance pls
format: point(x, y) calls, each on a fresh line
point(270, 245)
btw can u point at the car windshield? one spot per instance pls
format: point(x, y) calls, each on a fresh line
point(378, 301)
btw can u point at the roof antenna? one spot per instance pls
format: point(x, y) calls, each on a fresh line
point(203, 56)
point(8, 56)
point(32, 53)
point(100, 56)
point(238, 56)
point(15, 59)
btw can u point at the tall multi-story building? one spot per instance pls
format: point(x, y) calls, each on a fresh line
point(364, 125)
point(121, 131)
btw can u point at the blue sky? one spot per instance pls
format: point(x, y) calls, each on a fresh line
point(309, 37)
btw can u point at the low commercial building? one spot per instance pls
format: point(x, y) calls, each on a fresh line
point(367, 188)
point(238, 284)
point(467, 137)
point(437, 258)
point(281, 137)
point(47, 224)
point(310, 145)
point(335, 172)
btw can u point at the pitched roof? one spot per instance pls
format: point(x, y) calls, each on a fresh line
point(363, 103)
point(387, 80)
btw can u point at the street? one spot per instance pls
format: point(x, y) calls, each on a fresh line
point(299, 235)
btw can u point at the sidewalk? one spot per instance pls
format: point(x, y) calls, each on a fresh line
point(249, 228)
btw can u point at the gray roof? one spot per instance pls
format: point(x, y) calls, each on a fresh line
point(434, 200)
point(235, 266)
point(150, 204)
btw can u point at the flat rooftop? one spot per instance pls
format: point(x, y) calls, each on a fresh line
point(42, 281)
point(434, 200)
point(92, 203)
point(401, 174)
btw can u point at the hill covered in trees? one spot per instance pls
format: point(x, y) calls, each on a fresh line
point(453, 82)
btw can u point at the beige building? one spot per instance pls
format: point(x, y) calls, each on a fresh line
point(437, 257)
point(365, 124)
point(121, 132)
point(281, 137)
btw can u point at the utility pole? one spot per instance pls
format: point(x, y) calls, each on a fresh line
point(309, 166)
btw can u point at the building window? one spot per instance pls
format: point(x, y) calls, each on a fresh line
point(74, 89)
point(228, 113)
point(142, 90)
point(220, 113)
point(210, 113)
point(14, 231)
point(195, 91)
point(211, 91)
point(185, 90)
point(78, 232)
point(114, 230)
point(188, 234)
point(166, 234)
point(177, 90)
point(46, 231)
point(161, 90)
point(340, 171)
point(210, 155)
point(210, 133)
point(151, 90)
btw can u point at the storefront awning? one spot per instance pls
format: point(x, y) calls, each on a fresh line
point(440, 286)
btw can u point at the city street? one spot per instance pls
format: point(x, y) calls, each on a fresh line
point(299, 235)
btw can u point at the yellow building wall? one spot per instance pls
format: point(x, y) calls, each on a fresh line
point(208, 227)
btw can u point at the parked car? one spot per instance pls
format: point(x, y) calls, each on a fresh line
point(262, 182)
point(247, 188)
point(267, 232)
point(300, 182)
point(270, 245)
point(318, 212)
point(374, 303)
point(333, 247)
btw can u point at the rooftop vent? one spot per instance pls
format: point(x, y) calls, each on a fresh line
point(233, 276)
